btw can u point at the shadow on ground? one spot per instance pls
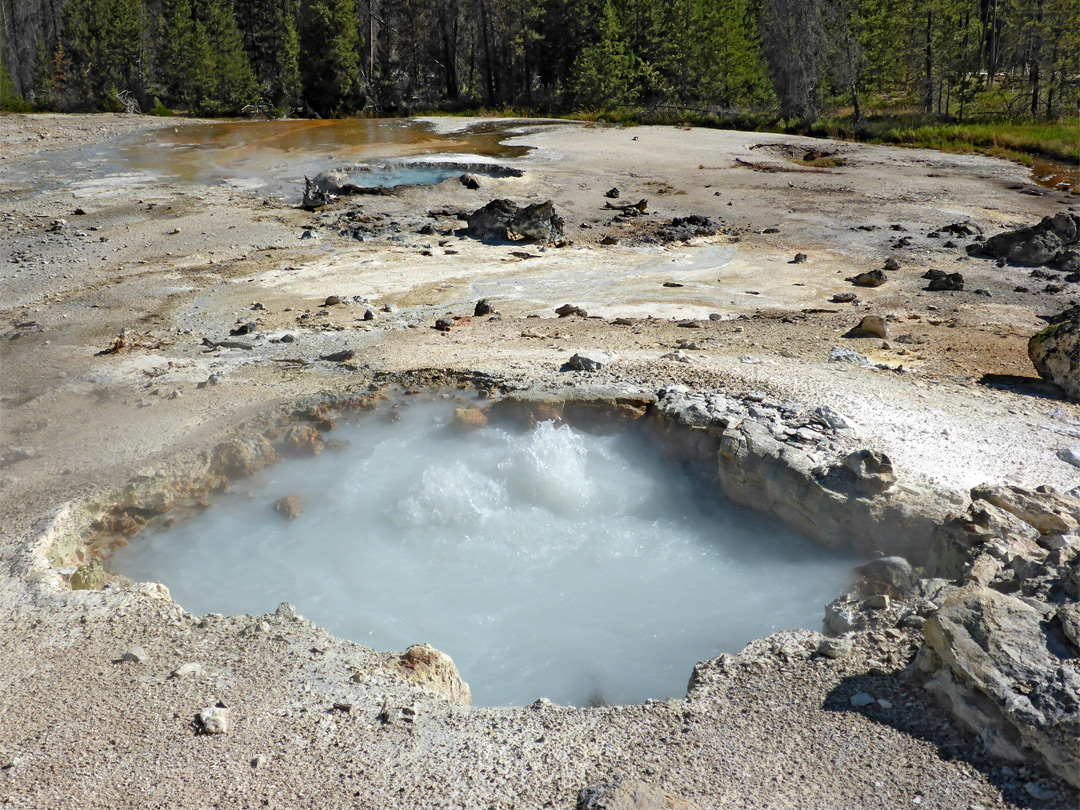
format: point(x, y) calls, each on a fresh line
point(914, 712)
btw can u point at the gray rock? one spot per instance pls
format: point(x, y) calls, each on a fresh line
point(838, 647)
point(331, 181)
point(983, 526)
point(591, 361)
point(1068, 617)
point(841, 355)
point(842, 616)
point(1070, 455)
point(831, 418)
point(844, 298)
point(285, 611)
point(871, 325)
point(484, 307)
point(1055, 351)
point(940, 281)
point(892, 264)
point(871, 278)
point(992, 665)
point(213, 720)
point(1037, 245)
point(425, 666)
point(502, 219)
point(861, 699)
point(872, 470)
point(889, 575)
point(470, 181)
point(1045, 509)
point(135, 655)
point(566, 310)
point(189, 671)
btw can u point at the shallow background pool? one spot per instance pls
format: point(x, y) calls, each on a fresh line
point(548, 563)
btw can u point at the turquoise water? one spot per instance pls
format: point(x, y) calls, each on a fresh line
point(548, 563)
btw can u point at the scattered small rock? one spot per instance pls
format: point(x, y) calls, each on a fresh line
point(135, 655)
point(591, 361)
point(800, 258)
point(291, 506)
point(331, 300)
point(244, 329)
point(569, 309)
point(841, 355)
point(213, 720)
point(484, 307)
point(835, 648)
point(189, 671)
point(844, 298)
point(1070, 455)
point(339, 357)
point(861, 699)
point(612, 193)
point(470, 181)
point(892, 264)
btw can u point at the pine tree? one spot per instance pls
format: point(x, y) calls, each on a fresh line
point(329, 42)
point(605, 70)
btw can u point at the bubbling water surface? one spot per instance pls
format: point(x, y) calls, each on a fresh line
point(548, 563)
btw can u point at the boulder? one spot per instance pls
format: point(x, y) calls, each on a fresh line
point(871, 278)
point(889, 575)
point(425, 666)
point(503, 219)
point(1038, 245)
point(1055, 351)
point(991, 662)
point(871, 326)
point(940, 280)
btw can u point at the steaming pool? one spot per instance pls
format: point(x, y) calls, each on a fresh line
point(547, 563)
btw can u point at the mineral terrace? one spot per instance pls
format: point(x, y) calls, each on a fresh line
point(795, 318)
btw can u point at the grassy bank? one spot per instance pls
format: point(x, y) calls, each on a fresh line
point(1022, 141)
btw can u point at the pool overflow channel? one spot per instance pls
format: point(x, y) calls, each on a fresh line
point(568, 551)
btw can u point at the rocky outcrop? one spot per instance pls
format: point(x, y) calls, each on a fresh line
point(769, 458)
point(1045, 243)
point(425, 666)
point(503, 219)
point(993, 664)
point(1055, 352)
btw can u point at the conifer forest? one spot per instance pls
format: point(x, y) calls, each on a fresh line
point(957, 60)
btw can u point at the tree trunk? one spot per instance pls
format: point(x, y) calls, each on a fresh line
point(928, 93)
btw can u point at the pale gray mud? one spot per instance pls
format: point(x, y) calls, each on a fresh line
point(118, 364)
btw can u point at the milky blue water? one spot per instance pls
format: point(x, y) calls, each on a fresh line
point(546, 563)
